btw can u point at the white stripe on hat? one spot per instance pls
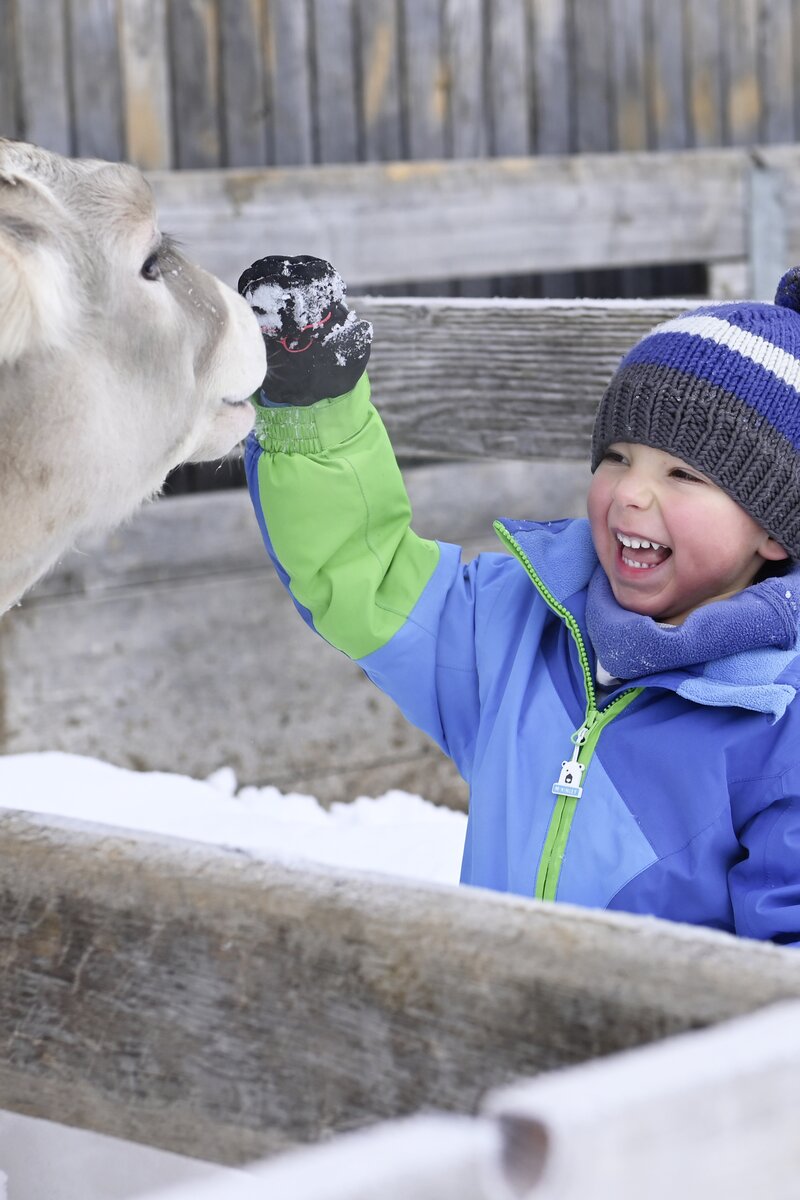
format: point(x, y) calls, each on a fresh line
point(765, 354)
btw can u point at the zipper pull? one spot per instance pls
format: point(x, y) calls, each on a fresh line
point(569, 781)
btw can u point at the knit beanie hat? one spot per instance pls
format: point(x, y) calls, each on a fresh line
point(719, 387)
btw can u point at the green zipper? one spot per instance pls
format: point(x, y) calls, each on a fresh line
point(585, 738)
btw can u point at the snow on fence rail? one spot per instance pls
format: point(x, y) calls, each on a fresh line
point(705, 1114)
point(199, 1001)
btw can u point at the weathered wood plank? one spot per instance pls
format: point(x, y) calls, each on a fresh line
point(704, 75)
point(9, 118)
point(552, 94)
point(95, 72)
point(42, 80)
point(666, 78)
point(195, 72)
point(379, 54)
point(709, 1112)
point(502, 215)
point(628, 74)
point(146, 83)
point(243, 97)
point(548, 367)
point(591, 81)
point(464, 54)
point(776, 69)
point(509, 75)
point(290, 78)
point(335, 71)
point(426, 83)
point(743, 100)
point(213, 1005)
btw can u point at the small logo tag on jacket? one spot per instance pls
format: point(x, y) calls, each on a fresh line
point(569, 781)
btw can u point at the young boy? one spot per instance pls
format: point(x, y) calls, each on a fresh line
point(617, 691)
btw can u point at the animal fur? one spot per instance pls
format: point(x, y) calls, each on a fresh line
point(119, 359)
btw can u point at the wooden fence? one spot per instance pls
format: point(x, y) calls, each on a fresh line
point(702, 1115)
point(399, 221)
point(209, 83)
point(164, 646)
point(197, 1000)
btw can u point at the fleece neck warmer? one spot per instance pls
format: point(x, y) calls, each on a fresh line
point(630, 645)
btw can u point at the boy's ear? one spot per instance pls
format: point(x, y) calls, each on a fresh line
point(772, 551)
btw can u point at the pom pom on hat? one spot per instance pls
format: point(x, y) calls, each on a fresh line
point(788, 293)
point(719, 387)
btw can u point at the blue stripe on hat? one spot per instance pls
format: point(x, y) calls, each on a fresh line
point(704, 359)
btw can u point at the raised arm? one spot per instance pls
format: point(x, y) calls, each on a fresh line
point(334, 513)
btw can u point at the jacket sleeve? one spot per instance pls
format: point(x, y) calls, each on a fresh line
point(765, 886)
point(335, 518)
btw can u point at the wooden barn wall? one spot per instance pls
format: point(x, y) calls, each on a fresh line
point(242, 83)
point(205, 83)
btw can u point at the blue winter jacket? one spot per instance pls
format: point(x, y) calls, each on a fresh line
point(677, 794)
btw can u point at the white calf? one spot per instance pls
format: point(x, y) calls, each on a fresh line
point(118, 358)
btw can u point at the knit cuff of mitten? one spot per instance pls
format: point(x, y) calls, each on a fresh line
point(313, 428)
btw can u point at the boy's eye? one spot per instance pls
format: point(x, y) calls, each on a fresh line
point(678, 473)
point(613, 456)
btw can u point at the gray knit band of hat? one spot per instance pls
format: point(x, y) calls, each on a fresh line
point(719, 387)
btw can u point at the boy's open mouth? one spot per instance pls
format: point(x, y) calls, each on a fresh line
point(640, 553)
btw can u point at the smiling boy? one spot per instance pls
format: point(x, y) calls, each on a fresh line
point(618, 692)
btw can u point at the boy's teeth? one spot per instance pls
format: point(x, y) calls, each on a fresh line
point(639, 543)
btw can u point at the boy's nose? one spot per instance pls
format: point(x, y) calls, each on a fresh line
point(634, 491)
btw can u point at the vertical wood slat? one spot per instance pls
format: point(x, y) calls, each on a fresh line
point(43, 81)
point(669, 129)
point(552, 85)
point(9, 124)
point(96, 89)
point(463, 47)
point(425, 94)
point(630, 125)
point(146, 83)
point(379, 54)
point(289, 67)
point(742, 101)
point(628, 74)
point(591, 79)
point(703, 67)
point(552, 98)
point(775, 71)
point(243, 97)
point(508, 71)
point(194, 46)
point(337, 131)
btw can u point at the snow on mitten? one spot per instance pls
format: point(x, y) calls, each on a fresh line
point(316, 347)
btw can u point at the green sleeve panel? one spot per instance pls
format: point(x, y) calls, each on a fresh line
point(337, 515)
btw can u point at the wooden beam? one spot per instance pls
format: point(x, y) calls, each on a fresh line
point(204, 1002)
point(708, 1113)
point(383, 223)
point(501, 378)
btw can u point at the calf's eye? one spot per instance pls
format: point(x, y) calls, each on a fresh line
point(151, 269)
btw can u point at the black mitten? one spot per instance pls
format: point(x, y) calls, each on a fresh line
point(316, 347)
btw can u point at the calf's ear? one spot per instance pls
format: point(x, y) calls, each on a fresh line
point(34, 282)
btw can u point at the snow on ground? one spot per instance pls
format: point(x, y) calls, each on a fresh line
point(396, 833)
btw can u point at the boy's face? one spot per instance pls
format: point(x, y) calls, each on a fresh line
point(707, 546)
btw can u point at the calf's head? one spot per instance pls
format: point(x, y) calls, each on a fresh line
point(119, 359)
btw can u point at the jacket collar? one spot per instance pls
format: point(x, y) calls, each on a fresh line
point(740, 652)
